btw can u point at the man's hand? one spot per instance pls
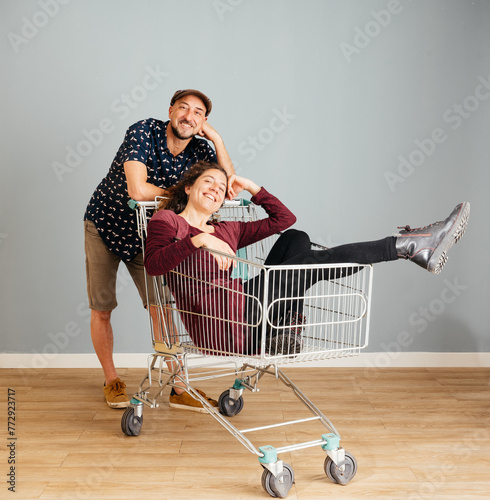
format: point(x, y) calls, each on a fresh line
point(209, 133)
point(222, 155)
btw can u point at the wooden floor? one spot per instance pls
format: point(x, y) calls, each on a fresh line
point(416, 433)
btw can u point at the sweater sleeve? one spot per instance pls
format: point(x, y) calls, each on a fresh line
point(163, 251)
point(279, 218)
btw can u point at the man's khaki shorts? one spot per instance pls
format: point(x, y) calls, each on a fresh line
point(101, 266)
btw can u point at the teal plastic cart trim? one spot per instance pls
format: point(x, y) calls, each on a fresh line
point(238, 384)
point(332, 441)
point(241, 271)
point(270, 454)
point(135, 402)
point(133, 204)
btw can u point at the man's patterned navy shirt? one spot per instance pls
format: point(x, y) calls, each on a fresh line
point(146, 142)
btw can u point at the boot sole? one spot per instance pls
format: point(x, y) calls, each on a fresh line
point(196, 409)
point(439, 257)
point(121, 406)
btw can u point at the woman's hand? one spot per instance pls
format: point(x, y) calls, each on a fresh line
point(206, 240)
point(237, 184)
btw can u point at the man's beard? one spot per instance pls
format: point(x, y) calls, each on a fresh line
point(179, 135)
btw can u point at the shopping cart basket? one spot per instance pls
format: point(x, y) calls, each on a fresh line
point(208, 323)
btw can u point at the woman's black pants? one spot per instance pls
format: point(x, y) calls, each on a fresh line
point(294, 247)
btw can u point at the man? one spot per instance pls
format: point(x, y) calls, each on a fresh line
point(153, 156)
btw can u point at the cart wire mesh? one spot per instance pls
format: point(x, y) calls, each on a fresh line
point(256, 313)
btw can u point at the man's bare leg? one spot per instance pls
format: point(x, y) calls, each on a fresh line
point(103, 341)
point(163, 324)
point(159, 323)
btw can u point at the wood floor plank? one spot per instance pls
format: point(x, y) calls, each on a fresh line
point(416, 433)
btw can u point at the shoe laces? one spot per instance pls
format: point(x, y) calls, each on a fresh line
point(297, 318)
point(118, 386)
point(409, 229)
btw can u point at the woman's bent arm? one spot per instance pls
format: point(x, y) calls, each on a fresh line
point(163, 251)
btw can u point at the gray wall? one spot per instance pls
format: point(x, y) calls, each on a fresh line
point(360, 86)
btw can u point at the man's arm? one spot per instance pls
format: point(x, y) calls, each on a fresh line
point(222, 155)
point(136, 179)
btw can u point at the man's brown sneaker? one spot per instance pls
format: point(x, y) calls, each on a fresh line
point(115, 394)
point(185, 401)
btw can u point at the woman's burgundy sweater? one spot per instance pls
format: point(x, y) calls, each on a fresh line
point(213, 299)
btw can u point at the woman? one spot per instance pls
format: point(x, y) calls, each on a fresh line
point(222, 321)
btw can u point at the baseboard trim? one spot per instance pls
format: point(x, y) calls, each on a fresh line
point(364, 360)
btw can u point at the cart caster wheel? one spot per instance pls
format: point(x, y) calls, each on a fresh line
point(336, 474)
point(271, 484)
point(130, 423)
point(229, 406)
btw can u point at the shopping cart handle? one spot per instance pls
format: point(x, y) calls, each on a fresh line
point(237, 202)
point(133, 204)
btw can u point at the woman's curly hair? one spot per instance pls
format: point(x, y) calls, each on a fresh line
point(176, 197)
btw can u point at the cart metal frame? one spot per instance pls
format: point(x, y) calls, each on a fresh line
point(339, 327)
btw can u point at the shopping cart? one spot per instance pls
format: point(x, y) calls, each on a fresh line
point(210, 323)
